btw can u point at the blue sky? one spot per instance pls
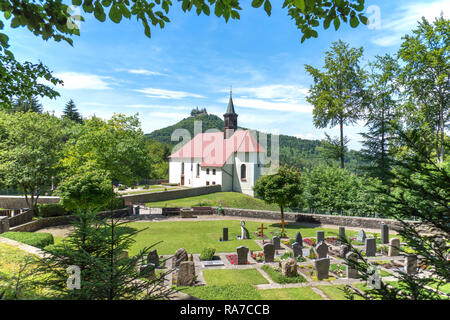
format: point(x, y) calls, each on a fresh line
point(193, 61)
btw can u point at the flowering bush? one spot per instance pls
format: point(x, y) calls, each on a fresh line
point(310, 241)
point(258, 257)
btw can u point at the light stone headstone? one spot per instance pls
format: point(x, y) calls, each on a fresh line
point(242, 253)
point(276, 242)
point(269, 252)
point(153, 257)
point(394, 247)
point(297, 249)
point(370, 247)
point(289, 268)
point(352, 273)
point(320, 236)
point(410, 264)
point(186, 274)
point(384, 233)
point(343, 250)
point(299, 239)
point(147, 270)
point(361, 237)
point(180, 256)
point(322, 250)
point(322, 268)
point(341, 233)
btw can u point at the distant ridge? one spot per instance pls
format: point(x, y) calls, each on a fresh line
point(294, 151)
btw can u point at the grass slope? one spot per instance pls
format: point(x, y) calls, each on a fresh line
point(226, 199)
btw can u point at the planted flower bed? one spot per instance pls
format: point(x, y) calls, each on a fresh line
point(310, 241)
point(233, 258)
point(258, 257)
point(332, 240)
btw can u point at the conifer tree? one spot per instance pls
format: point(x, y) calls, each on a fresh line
point(70, 112)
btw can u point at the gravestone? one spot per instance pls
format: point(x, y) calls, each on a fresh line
point(343, 250)
point(244, 232)
point(342, 233)
point(269, 252)
point(299, 239)
point(410, 264)
point(180, 256)
point(147, 271)
point(186, 274)
point(322, 268)
point(384, 233)
point(322, 250)
point(136, 210)
point(320, 236)
point(225, 234)
point(370, 247)
point(276, 242)
point(297, 249)
point(242, 253)
point(361, 237)
point(352, 273)
point(153, 257)
point(4, 224)
point(394, 247)
point(289, 268)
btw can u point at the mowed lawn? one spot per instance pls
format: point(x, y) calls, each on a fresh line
point(194, 236)
point(225, 199)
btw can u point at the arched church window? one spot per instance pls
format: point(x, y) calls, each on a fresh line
point(243, 172)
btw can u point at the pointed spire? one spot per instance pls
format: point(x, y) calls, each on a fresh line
point(230, 109)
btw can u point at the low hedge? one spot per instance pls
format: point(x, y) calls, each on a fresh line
point(35, 239)
point(50, 210)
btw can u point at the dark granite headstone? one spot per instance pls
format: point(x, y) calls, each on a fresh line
point(225, 234)
point(370, 247)
point(384, 233)
point(242, 253)
point(320, 236)
point(269, 252)
point(322, 250)
point(297, 249)
point(322, 268)
point(276, 242)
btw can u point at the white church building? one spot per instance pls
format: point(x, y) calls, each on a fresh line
point(229, 158)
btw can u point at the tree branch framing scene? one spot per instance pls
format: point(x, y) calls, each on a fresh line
point(222, 158)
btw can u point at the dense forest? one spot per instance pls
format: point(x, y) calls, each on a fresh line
point(294, 151)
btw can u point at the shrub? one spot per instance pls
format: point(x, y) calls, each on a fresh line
point(35, 239)
point(207, 254)
point(50, 210)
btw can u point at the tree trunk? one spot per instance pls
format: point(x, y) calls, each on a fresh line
point(341, 125)
point(282, 220)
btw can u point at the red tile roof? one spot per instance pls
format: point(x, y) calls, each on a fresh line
point(214, 149)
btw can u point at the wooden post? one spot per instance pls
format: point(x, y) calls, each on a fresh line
point(262, 231)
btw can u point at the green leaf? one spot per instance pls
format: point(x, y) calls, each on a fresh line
point(268, 7)
point(76, 2)
point(354, 22)
point(327, 22)
point(206, 10)
point(99, 13)
point(7, 14)
point(336, 23)
point(115, 14)
point(257, 3)
point(300, 4)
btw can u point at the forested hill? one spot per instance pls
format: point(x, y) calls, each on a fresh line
point(293, 151)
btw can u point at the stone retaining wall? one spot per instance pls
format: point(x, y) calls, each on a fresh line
point(171, 194)
point(349, 221)
point(16, 202)
point(63, 220)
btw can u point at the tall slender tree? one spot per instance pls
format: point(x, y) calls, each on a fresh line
point(70, 112)
point(338, 92)
point(25, 104)
point(381, 113)
point(425, 78)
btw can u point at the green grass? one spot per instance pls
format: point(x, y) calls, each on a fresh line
point(194, 236)
point(304, 293)
point(226, 199)
point(12, 260)
point(229, 292)
point(35, 239)
point(225, 277)
point(336, 292)
point(277, 277)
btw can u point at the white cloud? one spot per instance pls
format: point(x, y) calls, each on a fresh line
point(143, 72)
point(269, 105)
point(277, 92)
point(77, 81)
point(309, 136)
point(167, 94)
point(406, 18)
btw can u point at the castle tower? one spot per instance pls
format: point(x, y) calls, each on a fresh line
point(230, 118)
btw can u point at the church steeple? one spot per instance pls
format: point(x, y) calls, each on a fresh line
point(230, 118)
